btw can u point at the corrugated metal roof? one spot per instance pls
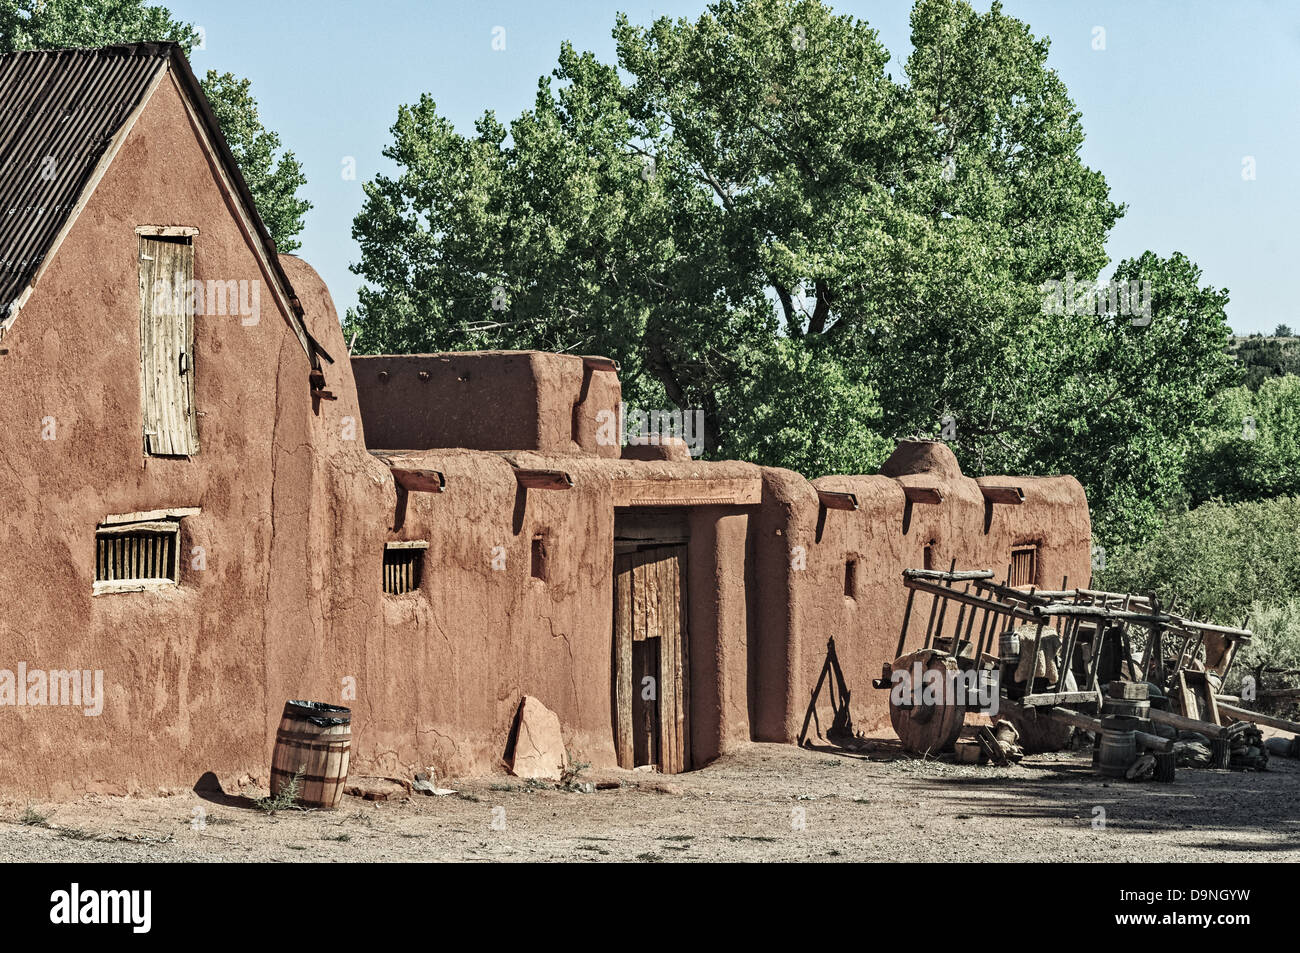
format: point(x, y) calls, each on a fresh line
point(59, 111)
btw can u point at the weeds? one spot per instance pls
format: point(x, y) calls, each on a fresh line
point(31, 817)
point(286, 799)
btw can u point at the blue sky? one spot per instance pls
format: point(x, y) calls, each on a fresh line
point(1180, 95)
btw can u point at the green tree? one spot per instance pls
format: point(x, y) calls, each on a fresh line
point(54, 24)
point(755, 218)
point(1249, 449)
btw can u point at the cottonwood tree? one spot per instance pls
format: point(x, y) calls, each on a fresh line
point(757, 218)
point(274, 176)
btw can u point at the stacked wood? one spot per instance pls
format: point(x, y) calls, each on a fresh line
point(1247, 751)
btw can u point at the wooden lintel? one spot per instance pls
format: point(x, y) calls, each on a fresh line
point(833, 500)
point(1010, 495)
point(419, 481)
point(544, 479)
point(922, 494)
point(688, 492)
point(167, 231)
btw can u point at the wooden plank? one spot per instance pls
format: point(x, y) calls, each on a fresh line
point(544, 479)
point(1272, 721)
point(144, 516)
point(623, 659)
point(418, 480)
point(837, 501)
point(1008, 495)
point(170, 231)
point(923, 494)
point(688, 492)
point(684, 660)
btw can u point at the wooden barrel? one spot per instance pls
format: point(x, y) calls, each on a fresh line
point(1166, 762)
point(1118, 751)
point(1220, 753)
point(1009, 646)
point(313, 743)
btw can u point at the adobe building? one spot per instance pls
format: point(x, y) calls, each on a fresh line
point(215, 509)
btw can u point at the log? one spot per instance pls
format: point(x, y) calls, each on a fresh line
point(1184, 723)
point(959, 575)
point(544, 479)
point(837, 501)
point(1247, 715)
point(595, 363)
point(922, 494)
point(1010, 495)
point(1080, 720)
point(419, 481)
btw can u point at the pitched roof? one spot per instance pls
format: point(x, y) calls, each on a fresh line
point(60, 112)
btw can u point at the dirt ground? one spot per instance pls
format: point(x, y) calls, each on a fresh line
point(763, 803)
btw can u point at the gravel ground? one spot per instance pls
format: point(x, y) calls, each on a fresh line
point(763, 803)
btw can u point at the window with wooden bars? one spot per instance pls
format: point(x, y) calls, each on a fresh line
point(167, 302)
point(403, 567)
point(133, 556)
point(1024, 566)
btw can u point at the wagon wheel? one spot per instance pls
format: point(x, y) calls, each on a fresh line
point(927, 728)
point(1038, 731)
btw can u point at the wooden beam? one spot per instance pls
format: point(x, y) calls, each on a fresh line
point(922, 494)
point(167, 231)
point(959, 575)
point(419, 481)
point(595, 363)
point(1245, 714)
point(1010, 495)
point(544, 479)
point(833, 500)
point(688, 492)
point(1183, 723)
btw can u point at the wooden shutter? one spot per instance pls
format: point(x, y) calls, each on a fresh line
point(167, 347)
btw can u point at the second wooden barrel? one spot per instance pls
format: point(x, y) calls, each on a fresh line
point(1118, 751)
point(314, 744)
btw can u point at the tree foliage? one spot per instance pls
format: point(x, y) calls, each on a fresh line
point(756, 218)
point(274, 177)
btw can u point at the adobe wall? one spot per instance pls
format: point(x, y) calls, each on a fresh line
point(183, 668)
point(485, 400)
point(809, 605)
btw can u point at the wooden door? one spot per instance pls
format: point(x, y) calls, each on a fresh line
point(651, 659)
point(167, 347)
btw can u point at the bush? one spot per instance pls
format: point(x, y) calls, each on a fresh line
point(1217, 562)
point(1276, 645)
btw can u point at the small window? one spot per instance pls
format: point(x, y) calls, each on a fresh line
point(1024, 566)
point(539, 557)
point(132, 556)
point(403, 567)
point(851, 578)
point(927, 556)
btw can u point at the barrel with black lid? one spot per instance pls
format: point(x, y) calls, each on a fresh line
point(314, 744)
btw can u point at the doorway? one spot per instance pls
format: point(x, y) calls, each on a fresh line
point(651, 655)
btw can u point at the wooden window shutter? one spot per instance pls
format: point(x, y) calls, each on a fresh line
point(167, 346)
